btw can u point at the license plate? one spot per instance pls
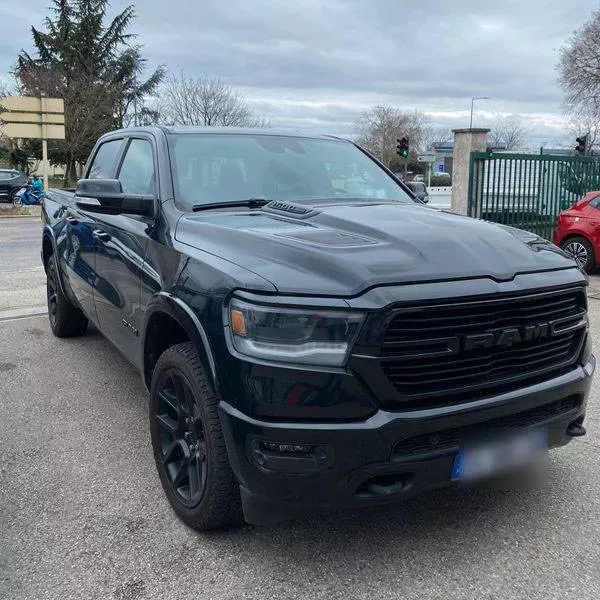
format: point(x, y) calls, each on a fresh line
point(501, 455)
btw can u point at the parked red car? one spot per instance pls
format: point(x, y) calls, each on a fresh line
point(578, 231)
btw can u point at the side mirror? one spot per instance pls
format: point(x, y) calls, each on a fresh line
point(106, 196)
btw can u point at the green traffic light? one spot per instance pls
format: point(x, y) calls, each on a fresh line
point(404, 153)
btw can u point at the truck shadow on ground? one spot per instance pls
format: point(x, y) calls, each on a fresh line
point(465, 530)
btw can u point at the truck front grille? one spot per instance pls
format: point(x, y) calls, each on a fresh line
point(461, 349)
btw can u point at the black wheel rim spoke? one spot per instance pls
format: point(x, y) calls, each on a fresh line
point(182, 475)
point(181, 437)
point(167, 423)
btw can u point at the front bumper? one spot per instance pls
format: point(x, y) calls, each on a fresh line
point(387, 457)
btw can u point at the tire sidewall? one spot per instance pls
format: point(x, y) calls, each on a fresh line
point(53, 274)
point(70, 320)
point(203, 396)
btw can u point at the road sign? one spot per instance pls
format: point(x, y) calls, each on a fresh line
point(31, 130)
point(427, 158)
point(33, 117)
point(29, 117)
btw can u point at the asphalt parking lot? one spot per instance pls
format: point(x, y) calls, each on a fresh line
point(82, 514)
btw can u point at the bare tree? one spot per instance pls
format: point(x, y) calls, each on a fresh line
point(433, 135)
point(508, 131)
point(378, 129)
point(579, 64)
point(203, 101)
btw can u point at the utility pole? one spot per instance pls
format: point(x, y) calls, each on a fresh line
point(472, 102)
point(44, 144)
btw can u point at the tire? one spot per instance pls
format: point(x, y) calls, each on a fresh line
point(188, 443)
point(66, 320)
point(580, 249)
point(17, 202)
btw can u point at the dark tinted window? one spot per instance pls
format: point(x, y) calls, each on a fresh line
point(103, 165)
point(137, 169)
point(595, 203)
point(416, 187)
point(211, 168)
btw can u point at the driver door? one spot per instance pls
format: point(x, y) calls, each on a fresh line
point(121, 241)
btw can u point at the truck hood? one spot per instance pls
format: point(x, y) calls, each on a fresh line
point(342, 249)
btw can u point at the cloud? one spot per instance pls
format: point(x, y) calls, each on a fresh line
point(318, 64)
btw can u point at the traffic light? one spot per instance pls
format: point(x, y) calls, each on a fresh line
point(581, 147)
point(402, 147)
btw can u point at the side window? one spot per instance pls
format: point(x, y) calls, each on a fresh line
point(137, 170)
point(103, 165)
point(595, 203)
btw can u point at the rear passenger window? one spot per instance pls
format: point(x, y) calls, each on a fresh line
point(595, 202)
point(137, 170)
point(103, 165)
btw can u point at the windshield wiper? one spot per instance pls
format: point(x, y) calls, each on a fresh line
point(250, 203)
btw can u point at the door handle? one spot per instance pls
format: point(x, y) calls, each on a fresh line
point(101, 235)
point(72, 220)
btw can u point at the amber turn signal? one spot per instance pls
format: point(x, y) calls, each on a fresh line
point(238, 324)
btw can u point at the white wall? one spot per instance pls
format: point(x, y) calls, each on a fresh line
point(440, 196)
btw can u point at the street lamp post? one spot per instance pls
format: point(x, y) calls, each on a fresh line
point(472, 101)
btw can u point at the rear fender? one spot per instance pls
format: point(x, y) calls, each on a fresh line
point(48, 234)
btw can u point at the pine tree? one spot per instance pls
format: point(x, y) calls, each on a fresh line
point(92, 66)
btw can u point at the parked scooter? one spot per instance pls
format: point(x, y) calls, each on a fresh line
point(26, 197)
point(32, 194)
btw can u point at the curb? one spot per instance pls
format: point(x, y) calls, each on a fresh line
point(20, 216)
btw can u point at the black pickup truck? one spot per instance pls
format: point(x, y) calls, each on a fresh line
point(311, 335)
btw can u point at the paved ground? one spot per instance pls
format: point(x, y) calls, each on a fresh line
point(22, 279)
point(82, 515)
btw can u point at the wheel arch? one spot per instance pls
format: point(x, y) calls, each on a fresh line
point(167, 313)
point(49, 249)
point(576, 234)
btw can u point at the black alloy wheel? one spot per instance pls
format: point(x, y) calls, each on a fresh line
point(188, 443)
point(66, 320)
point(182, 441)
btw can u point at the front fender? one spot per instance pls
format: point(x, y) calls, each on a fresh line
point(177, 309)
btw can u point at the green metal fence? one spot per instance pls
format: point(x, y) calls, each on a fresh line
point(528, 191)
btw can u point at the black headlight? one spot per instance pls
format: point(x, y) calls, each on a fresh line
point(300, 336)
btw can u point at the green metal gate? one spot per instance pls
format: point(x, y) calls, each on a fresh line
point(528, 191)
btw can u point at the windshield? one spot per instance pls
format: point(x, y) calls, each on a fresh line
point(210, 168)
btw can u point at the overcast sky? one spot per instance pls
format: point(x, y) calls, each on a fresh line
point(318, 63)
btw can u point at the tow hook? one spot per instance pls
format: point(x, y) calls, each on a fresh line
point(575, 429)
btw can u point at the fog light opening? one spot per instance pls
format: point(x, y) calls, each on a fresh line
point(291, 457)
point(285, 448)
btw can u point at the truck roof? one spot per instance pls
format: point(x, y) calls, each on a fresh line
point(185, 129)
